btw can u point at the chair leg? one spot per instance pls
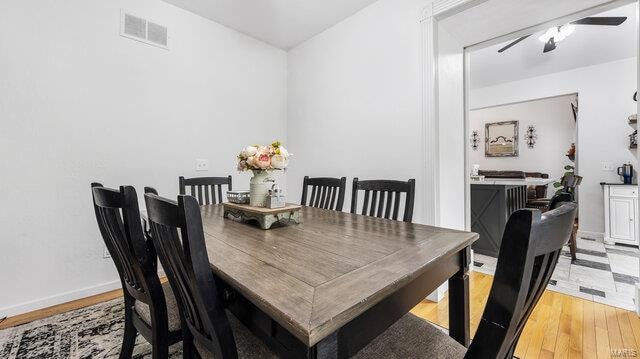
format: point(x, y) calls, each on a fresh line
point(573, 246)
point(160, 347)
point(130, 331)
point(188, 350)
point(160, 341)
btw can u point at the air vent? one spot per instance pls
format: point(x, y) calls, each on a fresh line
point(137, 28)
point(157, 34)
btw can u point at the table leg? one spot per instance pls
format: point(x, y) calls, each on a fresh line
point(459, 301)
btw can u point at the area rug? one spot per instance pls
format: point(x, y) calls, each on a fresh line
point(91, 332)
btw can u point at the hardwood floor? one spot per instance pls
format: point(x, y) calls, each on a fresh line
point(561, 326)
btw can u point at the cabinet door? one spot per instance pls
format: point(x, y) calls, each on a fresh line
point(622, 218)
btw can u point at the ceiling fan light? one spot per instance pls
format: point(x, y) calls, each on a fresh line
point(551, 32)
point(567, 30)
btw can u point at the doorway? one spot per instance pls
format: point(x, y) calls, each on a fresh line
point(452, 50)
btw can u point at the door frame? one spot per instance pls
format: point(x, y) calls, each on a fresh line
point(434, 12)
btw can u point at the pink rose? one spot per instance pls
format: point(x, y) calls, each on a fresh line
point(262, 159)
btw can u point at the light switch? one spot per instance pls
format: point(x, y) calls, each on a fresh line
point(607, 166)
point(202, 165)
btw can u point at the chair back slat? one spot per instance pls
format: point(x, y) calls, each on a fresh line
point(365, 203)
point(531, 245)
point(387, 209)
point(179, 239)
point(372, 208)
point(380, 196)
point(326, 192)
point(208, 190)
point(118, 218)
point(332, 199)
point(380, 212)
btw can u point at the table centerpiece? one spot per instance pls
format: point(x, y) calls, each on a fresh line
point(260, 160)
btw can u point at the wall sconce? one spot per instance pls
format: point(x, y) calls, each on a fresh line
point(531, 136)
point(475, 140)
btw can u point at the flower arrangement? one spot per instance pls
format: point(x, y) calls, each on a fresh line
point(262, 158)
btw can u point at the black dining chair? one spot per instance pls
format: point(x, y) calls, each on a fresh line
point(531, 245)
point(209, 331)
point(386, 189)
point(150, 190)
point(208, 190)
point(569, 184)
point(326, 192)
point(150, 307)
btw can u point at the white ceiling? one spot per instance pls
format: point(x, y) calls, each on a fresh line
point(282, 23)
point(588, 45)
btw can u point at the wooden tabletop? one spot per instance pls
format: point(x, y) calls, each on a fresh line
point(314, 277)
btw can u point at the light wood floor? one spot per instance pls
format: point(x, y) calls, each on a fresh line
point(561, 326)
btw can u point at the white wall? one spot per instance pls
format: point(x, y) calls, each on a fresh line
point(354, 99)
point(79, 103)
point(555, 127)
point(604, 92)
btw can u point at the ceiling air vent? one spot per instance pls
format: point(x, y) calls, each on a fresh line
point(137, 28)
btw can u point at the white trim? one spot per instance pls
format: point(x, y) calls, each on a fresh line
point(445, 8)
point(64, 297)
point(636, 151)
point(59, 298)
point(429, 125)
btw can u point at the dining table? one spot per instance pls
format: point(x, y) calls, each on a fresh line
point(328, 286)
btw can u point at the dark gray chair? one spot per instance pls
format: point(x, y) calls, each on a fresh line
point(208, 190)
point(209, 331)
point(149, 307)
point(531, 245)
point(326, 192)
point(382, 198)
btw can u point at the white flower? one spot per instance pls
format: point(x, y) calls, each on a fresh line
point(284, 152)
point(249, 151)
point(279, 162)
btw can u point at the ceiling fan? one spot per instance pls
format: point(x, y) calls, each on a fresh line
point(558, 33)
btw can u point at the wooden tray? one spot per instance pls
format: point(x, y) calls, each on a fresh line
point(265, 217)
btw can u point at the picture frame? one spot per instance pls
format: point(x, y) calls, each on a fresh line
point(501, 139)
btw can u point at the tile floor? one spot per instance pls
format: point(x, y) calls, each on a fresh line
point(602, 273)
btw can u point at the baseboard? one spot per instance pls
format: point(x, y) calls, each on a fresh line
point(438, 294)
point(64, 297)
point(591, 235)
point(59, 299)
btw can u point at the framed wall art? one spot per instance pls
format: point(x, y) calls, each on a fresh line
point(501, 139)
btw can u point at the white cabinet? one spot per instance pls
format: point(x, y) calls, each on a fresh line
point(621, 213)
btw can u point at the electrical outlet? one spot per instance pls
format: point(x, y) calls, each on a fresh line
point(607, 166)
point(105, 253)
point(202, 165)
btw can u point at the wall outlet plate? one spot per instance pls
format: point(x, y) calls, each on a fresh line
point(607, 166)
point(202, 165)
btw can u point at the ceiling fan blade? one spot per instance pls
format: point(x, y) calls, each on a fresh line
point(513, 43)
point(549, 45)
point(601, 20)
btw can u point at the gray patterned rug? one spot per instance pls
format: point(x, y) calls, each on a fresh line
point(91, 332)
